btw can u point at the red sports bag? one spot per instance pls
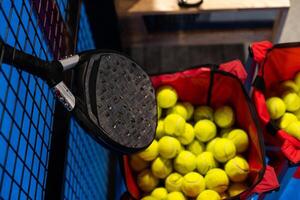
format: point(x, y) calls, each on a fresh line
point(216, 86)
point(275, 64)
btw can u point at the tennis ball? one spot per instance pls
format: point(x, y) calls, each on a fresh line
point(137, 164)
point(237, 169)
point(150, 153)
point(288, 86)
point(168, 147)
point(175, 196)
point(203, 112)
point(161, 167)
point(146, 180)
point(159, 111)
point(188, 136)
point(190, 109)
point(173, 182)
point(160, 193)
point(196, 147)
point(205, 161)
point(291, 101)
point(236, 189)
point(294, 129)
point(224, 117)
point(160, 129)
point(166, 97)
point(240, 139)
point(217, 180)
point(286, 119)
point(297, 79)
point(205, 130)
point(193, 183)
point(224, 132)
point(297, 114)
point(223, 150)
point(174, 124)
point(149, 198)
point(179, 109)
point(209, 195)
point(276, 107)
point(210, 145)
point(185, 162)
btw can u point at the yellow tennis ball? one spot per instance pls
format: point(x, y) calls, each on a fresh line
point(209, 195)
point(168, 147)
point(149, 198)
point(160, 193)
point(291, 101)
point(137, 164)
point(217, 180)
point(185, 162)
point(210, 145)
point(237, 169)
point(203, 112)
point(160, 129)
point(276, 107)
point(174, 124)
point(224, 117)
point(224, 149)
point(289, 86)
point(236, 189)
point(179, 109)
point(205, 161)
point(294, 129)
point(150, 153)
point(196, 147)
point(188, 136)
point(175, 196)
point(146, 181)
point(286, 119)
point(173, 182)
point(225, 131)
point(159, 111)
point(161, 167)
point(297, 114)
point(240, 139)
point(190, 109)
point(166, 97)
point(205, 130)
point(193, 183)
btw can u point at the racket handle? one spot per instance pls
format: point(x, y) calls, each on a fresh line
point(48, 71)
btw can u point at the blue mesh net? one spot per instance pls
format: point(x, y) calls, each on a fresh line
point(26, 108)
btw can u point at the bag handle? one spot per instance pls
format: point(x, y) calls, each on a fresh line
point(186, 4)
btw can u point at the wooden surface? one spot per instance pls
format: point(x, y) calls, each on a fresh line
point(144, 7)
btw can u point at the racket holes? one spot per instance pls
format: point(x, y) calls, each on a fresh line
point(102, 98)
point(142, 89)
point(133, 65)
point(114, 69)
point(151, 90)
point(103, 81)
point(144, 76)
point(139, 137)
point(106, 114)
point(117, 63)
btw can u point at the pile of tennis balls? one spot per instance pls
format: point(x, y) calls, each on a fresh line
point(284, 106)
point(197, 153)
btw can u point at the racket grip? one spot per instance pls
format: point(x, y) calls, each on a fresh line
point(48, 71)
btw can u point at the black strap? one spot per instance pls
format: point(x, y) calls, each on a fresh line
point(259, 83)
point(185, 4)
point(272, 128)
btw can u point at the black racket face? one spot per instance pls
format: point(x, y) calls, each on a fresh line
point(119, 99)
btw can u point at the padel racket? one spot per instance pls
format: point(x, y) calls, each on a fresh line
point(112, 98)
